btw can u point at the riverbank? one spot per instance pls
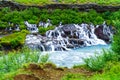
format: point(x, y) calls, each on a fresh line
point(24, 65)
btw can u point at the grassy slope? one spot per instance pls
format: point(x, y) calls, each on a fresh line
point(50, 72)
point(14, 40)
point(29, 68)
point(43, 2)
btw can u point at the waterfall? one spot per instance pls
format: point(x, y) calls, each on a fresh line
point(69, 36)
point(31, 27)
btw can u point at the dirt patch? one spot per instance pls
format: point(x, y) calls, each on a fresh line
point(50, 72)
point(25, 77)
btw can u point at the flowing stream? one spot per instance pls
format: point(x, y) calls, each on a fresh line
point(68, 44)
point(75, 56)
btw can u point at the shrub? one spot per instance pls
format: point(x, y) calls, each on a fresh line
point(116, 38)
point(43, 30)
point(3, 25)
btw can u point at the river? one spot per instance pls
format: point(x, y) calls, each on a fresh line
point(74, 56)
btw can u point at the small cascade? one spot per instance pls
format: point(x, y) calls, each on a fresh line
point(45, 24)
point(17, 28)
point(31, 27)
point(86, 32)
point(69, 36)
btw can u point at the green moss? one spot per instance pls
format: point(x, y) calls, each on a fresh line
point(14, 40)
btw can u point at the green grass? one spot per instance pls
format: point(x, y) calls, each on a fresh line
point(14, 40)
point(43, 2)
point(98, 62)
point(104, 67)
point(13, 61)
point(110, 72)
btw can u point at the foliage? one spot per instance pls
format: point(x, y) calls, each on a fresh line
point(34, 15)
point(116, 39)
point(111, 72)
point(44, 58)
point(97, 63)
point(14, 40)
point(16, 60)
point(43, 30)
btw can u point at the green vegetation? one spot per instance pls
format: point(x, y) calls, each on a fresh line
point(18, 60)
point(43, 30)
point(34, 15)
point(97, 63)
point(71, 76)
point(110, 72)
point(14, 40)
point(43, 2)
point(104, 67)
point(116, 39)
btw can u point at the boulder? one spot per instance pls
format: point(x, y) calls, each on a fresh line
point(99, 33)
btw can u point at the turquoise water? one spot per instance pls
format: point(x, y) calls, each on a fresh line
point(75, 56)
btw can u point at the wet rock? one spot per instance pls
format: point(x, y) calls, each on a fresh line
point(101, 35)
point(70, 36)
point(69, 27)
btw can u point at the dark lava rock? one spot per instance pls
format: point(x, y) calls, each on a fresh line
point(68, 29)
point(99, 33)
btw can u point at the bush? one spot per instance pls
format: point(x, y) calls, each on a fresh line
point(116, 38)
point(43, 30)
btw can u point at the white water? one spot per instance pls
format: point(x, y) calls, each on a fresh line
point(74, 57)
point(66, 37)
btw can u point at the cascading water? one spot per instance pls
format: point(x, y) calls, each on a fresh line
point(31, 27)
point(66, 37)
